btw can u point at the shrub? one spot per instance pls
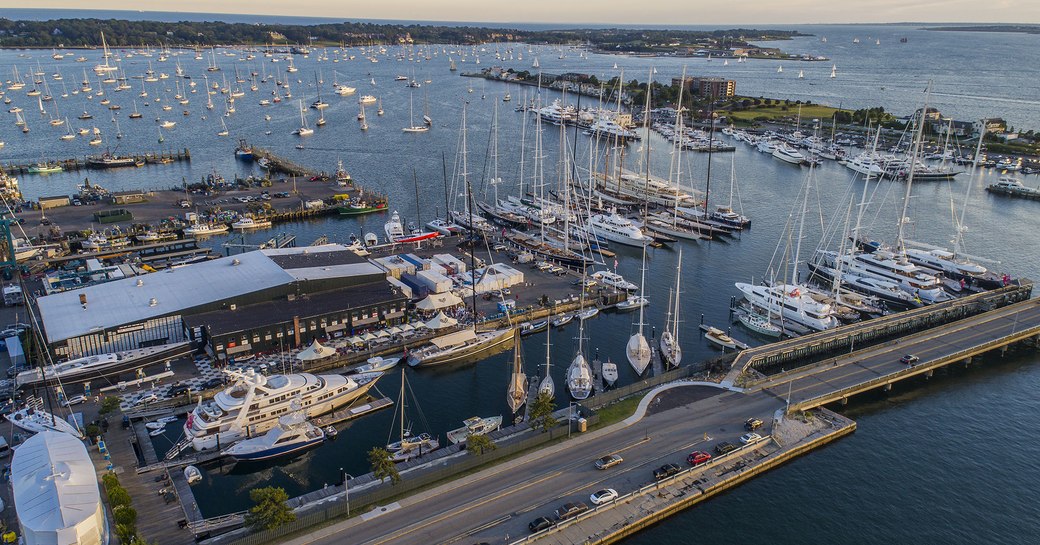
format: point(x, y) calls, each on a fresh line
point(124, 514)
point(117, 495)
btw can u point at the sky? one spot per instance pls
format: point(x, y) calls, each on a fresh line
point(671, 12)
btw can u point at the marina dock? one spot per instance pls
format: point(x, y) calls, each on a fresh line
point(75, 163)
point(349, 413)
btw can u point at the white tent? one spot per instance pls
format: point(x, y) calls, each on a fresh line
point(356, 340)
point(394, 330)
point(315, 352)
point(56, 491)
point(407, 327)
point(440, 321)
point(382, 333)
point(368, 336)
point(437, 301)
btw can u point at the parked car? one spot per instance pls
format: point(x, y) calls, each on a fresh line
point(147, 398)
point(608, 462)
point(752, 424)
point(603, 496)
point(909, 359)
point(750, 437)
point(724, 447)
point(698, 457)
point(214, 382)
point(179, 389)
point(571, 509)
point(666, 471)
point(539, 524)
point(74, 400)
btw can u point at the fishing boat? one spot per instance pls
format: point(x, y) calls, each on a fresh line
point(759, 324)
point(292, 435)
point(203, 229)
point(360, 205)
point(720, 338)
point(247, 223)
point(474, 426)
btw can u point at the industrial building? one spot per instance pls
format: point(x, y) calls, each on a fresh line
point(301, 293)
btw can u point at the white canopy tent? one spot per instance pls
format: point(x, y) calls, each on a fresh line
point(437, 301)
point(56, 492)
point(440, 321)
point(316, 351)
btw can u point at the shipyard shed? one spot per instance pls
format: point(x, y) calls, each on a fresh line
point(297, 321)
point(56, 492)
point(149, 310)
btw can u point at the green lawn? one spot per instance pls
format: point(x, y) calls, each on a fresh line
point(814, 111)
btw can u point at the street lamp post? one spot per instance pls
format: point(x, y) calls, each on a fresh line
point(346, 488)
point(570, 418)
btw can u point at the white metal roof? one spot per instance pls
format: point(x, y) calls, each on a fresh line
point(55, 486)
point(140, 298)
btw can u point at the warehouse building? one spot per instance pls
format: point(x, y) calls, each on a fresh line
point(303, 283)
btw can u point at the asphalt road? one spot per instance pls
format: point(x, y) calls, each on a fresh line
point(878, 361)
point(500, 502)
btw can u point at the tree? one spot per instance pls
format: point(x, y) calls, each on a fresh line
point(117, 496)
point(108, 405)
point(382, 466)
point(479, 444)
point(124, 514)
point(270, 509)
point(542, 412)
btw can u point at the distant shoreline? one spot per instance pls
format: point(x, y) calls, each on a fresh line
point(1022, 29)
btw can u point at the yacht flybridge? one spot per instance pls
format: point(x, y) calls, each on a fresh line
point(252, 405)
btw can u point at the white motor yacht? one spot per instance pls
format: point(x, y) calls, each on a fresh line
point(791, 302)
point(614, 280)
point(292, 434)
point(474, 426)
point(252, 405)
point(616, 228)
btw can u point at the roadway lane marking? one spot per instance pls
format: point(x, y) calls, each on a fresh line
point(456, 511)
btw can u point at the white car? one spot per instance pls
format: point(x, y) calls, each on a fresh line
point(74, 400)
point(603, 496)
point(748, 438)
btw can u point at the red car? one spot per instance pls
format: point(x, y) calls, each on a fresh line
point(697, 458)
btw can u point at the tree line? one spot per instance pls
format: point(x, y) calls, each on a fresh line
point(124, 33)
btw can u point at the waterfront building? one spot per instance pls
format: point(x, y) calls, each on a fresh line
point(149, 310)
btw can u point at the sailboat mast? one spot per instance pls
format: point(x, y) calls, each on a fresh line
point(675, 312)
point(959, 237)
point(915, 152)
point(711, 147)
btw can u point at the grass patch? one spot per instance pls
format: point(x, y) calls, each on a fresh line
point(780, 111)
point(619, 411)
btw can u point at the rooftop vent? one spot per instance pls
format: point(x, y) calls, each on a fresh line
point(235, 262)
point(152, 302)
point(140, 282)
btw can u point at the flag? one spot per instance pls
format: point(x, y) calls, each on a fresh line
point(615, 263)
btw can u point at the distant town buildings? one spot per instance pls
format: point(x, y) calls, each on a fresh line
point(708, 86)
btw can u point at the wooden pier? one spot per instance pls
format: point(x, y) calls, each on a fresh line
point(349, 413)
point(281, 164)
point(75, 163)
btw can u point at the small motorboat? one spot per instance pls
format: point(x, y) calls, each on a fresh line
point(588, 313)
point(610, 372)
point(192, 474)
point(331, 432)
point(720, 338)
point(760, 324)
point(529, 328)
point(157, 431)
point(562, 320)
point(632, 303)
point(379, 363)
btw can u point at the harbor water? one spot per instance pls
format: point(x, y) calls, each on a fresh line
point(940, 462)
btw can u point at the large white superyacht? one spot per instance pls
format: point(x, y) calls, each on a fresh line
point(252, 405)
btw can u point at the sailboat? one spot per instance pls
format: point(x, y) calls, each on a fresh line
point(516, 394)
point(834, 70)
point(224, 129)
point(69, 135)
point(411, 119)
point(409, 446)
point(547, 387)
point(304, 130)
point(579, 374)
point(104, 68)
point(638, 349)
point(670, 349)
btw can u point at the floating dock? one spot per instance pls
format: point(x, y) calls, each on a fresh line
point(151, 158)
